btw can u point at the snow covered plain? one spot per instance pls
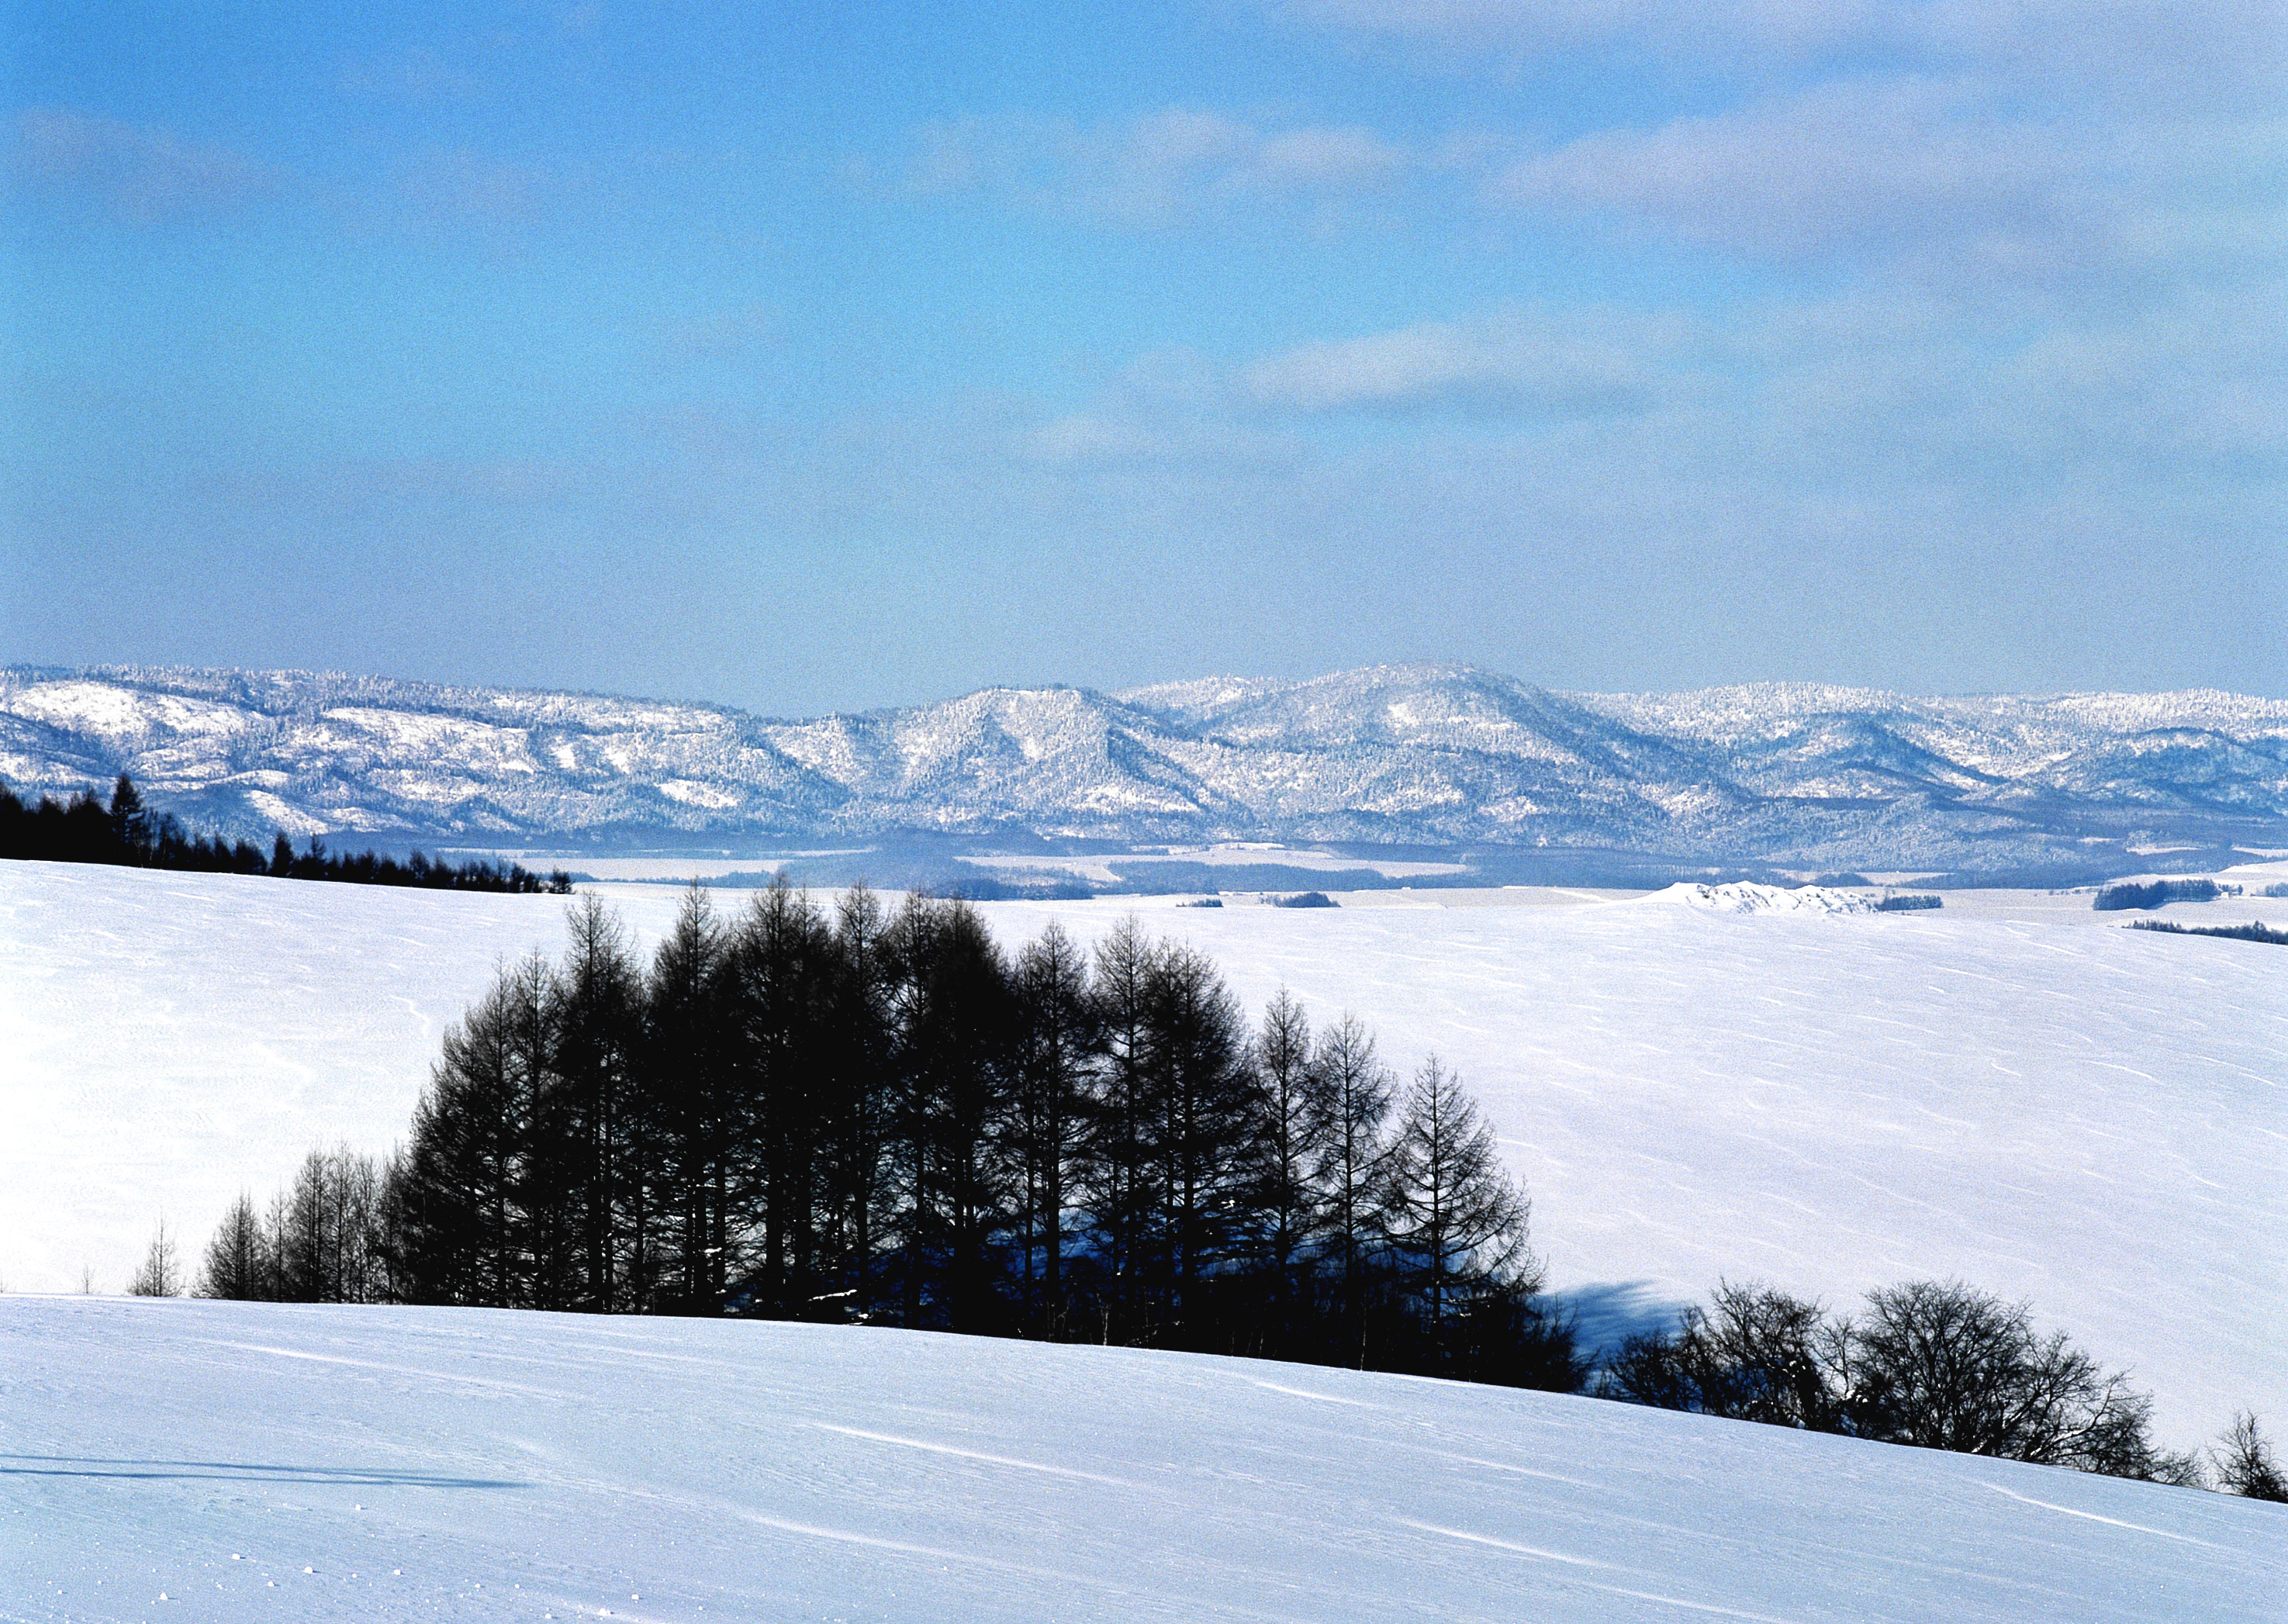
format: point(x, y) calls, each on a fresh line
point(2012, 1090)
point(172, 1460)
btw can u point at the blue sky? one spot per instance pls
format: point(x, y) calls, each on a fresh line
point(821, 358)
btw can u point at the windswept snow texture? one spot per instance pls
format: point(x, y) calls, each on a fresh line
point(1434, 755)
point(2015, 1092)
point(239, 1461)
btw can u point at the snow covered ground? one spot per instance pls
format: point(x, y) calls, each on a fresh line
point(167, 1040)
point(2033, 1099)
point(238, 1462)
point(2012, 1090)
point(1747, 897)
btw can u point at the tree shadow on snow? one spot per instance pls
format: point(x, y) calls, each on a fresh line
point(239, 1471)
point(1610, 1311)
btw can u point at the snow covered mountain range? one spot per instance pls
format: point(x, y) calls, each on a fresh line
point(1424, 755)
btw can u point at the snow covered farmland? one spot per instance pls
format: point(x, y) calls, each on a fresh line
point(2013, 1090)
point(240, 1460)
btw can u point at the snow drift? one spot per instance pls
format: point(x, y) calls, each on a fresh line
point(239, 1461)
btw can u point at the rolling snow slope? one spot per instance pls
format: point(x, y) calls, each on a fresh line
point(238, 1462)
point(1431, 755)
point(2016, 1092)
point(2041, 1105)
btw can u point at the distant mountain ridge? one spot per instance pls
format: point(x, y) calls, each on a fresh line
point(1415, 755)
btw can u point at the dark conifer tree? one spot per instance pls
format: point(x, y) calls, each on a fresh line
point(534, 1232)
point(1286, 1157)
point(1058, 1045)
point(1121, 1192)
point(302, 1234)
point(328, 1231)
point(1348, 1168)
point(599, 1008)
point(238, 1264)
point(858, 1190)
point(957, 1041)
point(455, 1196)
point(1456, 1220)
point(87, 835)
point(1204, 1128)
point(780, 986)
point(692, 1115)
point(132, 827)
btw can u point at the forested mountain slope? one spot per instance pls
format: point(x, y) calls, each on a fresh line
point(1428, 754)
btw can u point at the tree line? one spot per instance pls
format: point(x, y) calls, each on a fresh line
point(878, 1116)
point(2254, 930)
point(125, 833)
point(2158, 893)
point(1932, 1364)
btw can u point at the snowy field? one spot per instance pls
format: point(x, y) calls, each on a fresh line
point(233, 1461)
point(2013, 1090)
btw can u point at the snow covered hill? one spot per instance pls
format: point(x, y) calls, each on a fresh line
point(235, 1461)
point(1436, 755)
point(2013, 1091)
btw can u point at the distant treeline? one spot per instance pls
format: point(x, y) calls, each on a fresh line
point(880, 1117)
point(1937, 1365)
point(2254, 930)
point(2156, 893)
point(125, 833)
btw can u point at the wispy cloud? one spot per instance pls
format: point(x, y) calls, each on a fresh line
point(1995, 141)
point(1894, 398)
point(460, 187)
point(1931, 176)
point(1153, 168)
point(1841, 166)
point(2203, 51)
point(1093, 441)
point(142, 173)
point(1576, 363)
point(414, 73)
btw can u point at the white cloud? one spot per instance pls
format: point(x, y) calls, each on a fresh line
point(1935, 179)
point(2193, 52)
point(1152, 169)
point(1843, 165)
point(1332, 159)
point(1577, 363)
point(1895, 401)
point(1113, 440)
